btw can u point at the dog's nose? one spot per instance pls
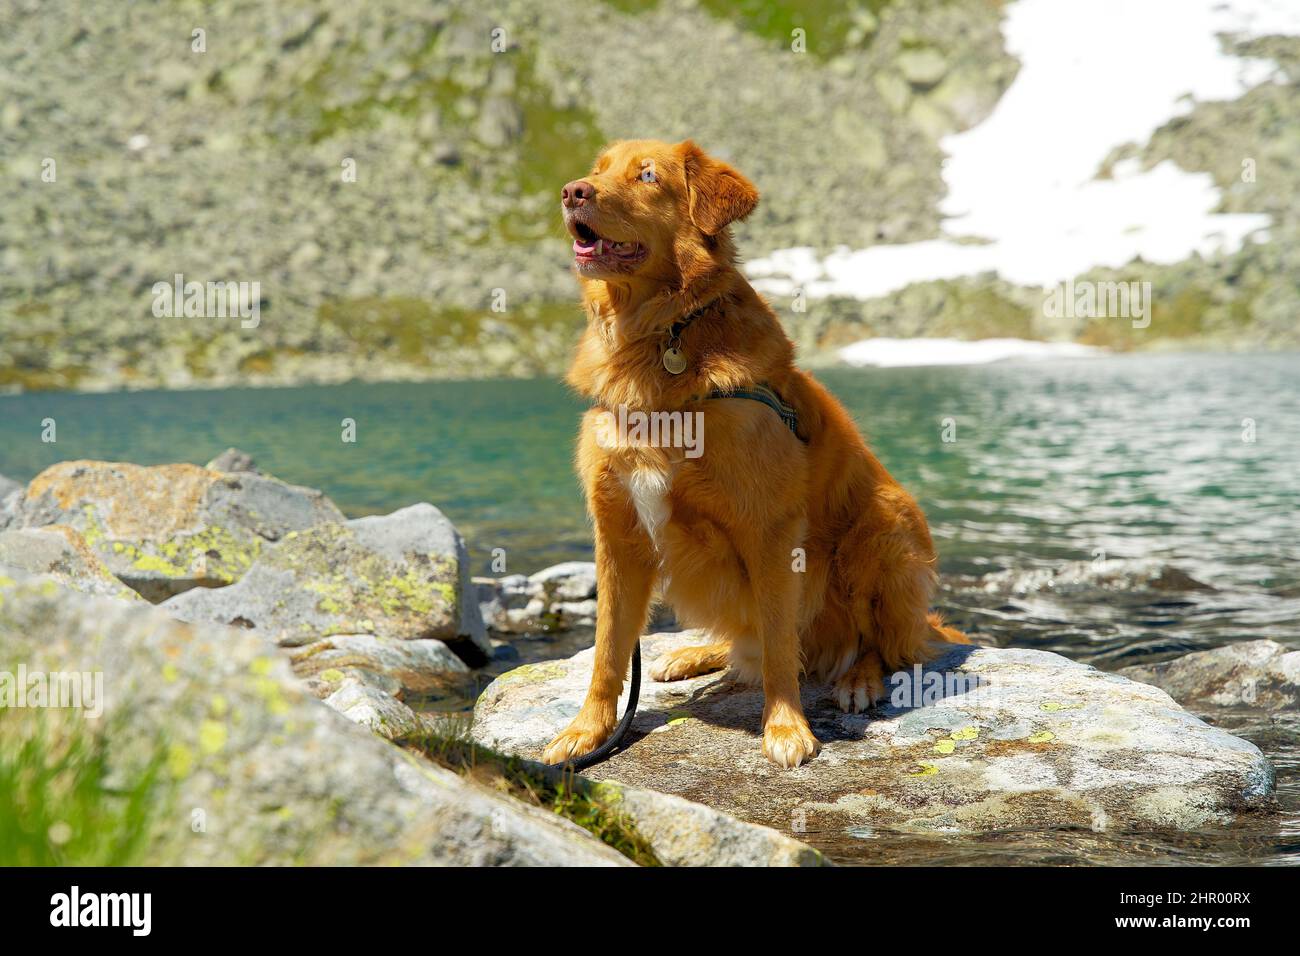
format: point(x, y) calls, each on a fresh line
point(576, 193)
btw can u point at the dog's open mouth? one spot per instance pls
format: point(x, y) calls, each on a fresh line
point(590, 248)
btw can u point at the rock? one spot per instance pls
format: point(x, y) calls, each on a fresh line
point(923, 67)
point(683, 833)
point(569, 581)
point(323, 684)
point(416, 666)
point(61, 552)
point(169, 528)
point(233, 460)
point(1023, 738)
point(511, 604)
point(500, 123)
point(11, 492)
point(402, 576)
point(446, 154)
point(365, 704)
point(1116, 574)
point(275, 777)
point(1261, 674)
point(557, 598)
point(893, 90)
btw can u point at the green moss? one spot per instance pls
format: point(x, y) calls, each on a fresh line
point(416, 333)
point(978, 312)
point(557, 145)
point(533, 673)
point(828, 24)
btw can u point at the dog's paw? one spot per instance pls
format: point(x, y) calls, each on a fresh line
point(687, 662)
point(861, 688)
point(789, 745)
point(574, 742)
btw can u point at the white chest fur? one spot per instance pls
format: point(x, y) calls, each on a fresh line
point(648, 485)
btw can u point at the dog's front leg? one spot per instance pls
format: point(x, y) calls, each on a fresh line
point(788, 741)
point(625, 571)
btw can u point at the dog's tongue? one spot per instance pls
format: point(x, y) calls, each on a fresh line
point(598, 247)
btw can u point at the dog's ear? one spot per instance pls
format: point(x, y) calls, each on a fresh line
point(716, 193)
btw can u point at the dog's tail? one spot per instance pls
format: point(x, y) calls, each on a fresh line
point(942, 632)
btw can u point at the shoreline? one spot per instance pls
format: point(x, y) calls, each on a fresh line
point(815, 362)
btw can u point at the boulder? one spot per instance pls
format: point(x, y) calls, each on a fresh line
point(169, 528)
point(555, 599)
point(1114, 574)
point(982, 739)
point(61, 552)
point(569, 581)
point(922, 67)
point(254, 771)
point(324, 683)
point(681, 832)
point(401, 577)
point(11, 492)
point(232, 460)
point(558, 598)
point(684, 833)
point(1261, 674)
point(416, 666)
point(363, 703)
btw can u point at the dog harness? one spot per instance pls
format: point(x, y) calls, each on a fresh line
point(762, 392)
point(674, 361)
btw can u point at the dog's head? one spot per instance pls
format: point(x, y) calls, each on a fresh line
point(653, 210)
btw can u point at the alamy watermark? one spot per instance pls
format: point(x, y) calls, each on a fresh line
point(133, 911)
point(1100, 300)
point(75, 690)
point(208, 300)
point(632, 428)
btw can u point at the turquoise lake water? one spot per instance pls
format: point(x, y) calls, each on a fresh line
point(1191, 460)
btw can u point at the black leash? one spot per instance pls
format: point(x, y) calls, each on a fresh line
point(616, 738)
point(759, 392)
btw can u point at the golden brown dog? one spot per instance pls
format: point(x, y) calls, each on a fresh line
point(795, 552)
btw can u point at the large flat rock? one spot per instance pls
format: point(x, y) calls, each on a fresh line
point(1016, 738)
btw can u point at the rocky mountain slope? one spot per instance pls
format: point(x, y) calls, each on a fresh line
point(386, 174)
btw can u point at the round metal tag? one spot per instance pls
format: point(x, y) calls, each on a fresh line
point(674, 361)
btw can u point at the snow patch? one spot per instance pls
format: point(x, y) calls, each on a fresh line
point(900, 353)
point(1095, 75)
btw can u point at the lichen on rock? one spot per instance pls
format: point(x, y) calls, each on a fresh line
point(166, 529)
point(985, 739)
point(393, 578)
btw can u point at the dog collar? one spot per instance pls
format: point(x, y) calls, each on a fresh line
point(673, 357)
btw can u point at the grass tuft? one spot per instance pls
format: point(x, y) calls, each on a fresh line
point(565, 794)
point(61, 804)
